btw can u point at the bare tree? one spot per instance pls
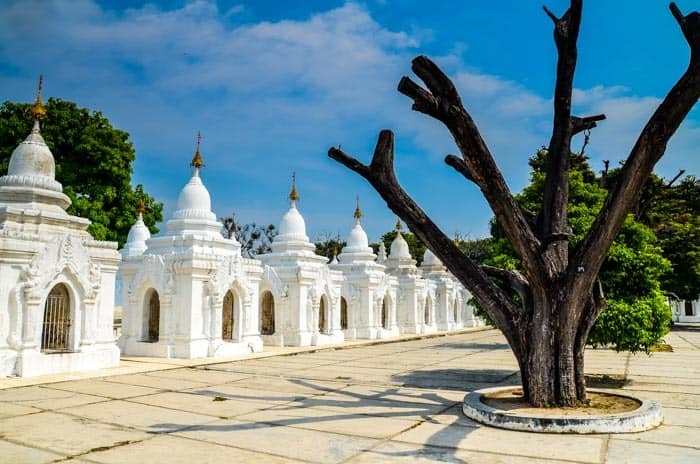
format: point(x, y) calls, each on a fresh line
point(560, 296)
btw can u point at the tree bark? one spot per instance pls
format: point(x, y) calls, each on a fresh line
point(560, 297)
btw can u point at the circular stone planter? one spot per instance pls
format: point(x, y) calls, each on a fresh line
point(646, 416)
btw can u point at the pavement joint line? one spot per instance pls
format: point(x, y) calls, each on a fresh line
point(604, 449)
point(688, 341)
point(639, 440)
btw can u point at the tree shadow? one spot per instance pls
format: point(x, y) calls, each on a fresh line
point(458, 379)
point(420, 407)
point(475, 346)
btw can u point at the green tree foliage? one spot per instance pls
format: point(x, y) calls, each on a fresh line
point(672, 211)
point(93, 162)
point(637, 316)
point(328, 245)
point(254, 239)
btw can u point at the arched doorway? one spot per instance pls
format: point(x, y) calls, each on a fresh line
point(267, 314)
point(385, 313)
point(55, 335)
point(343, 313)
point(227, 316)
point(322, 315)
point(152, 317)
point(426, 312)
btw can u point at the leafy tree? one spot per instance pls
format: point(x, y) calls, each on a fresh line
point(559, 294)
point(254, 239)
point(328, 245)
point(673, 213)
point(637, 315)
point(93, 162)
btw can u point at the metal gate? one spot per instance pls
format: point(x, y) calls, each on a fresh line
point(227, 317)
point(267, 316)
point(322, 315)
point(343, 313)
point(385, 313)
point(56, 331)
point(153, 317)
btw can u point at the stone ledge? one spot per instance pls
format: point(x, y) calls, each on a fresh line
point(646, 417)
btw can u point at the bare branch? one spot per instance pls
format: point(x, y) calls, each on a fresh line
point(690, 25)
point(556, 188)
point(381, 176)
point(515, 280)
point(459, 166)
point(648, 149)
point(587, 123)
point(552, 16)
point(477, 164)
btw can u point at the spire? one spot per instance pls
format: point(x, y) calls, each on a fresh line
point(141, 208)
point(358, 212)
point(197, 161)
point(37, 111)
point(399, 227)
point(293, 194)
point(381, 255)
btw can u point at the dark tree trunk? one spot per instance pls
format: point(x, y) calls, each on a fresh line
point(560, 297)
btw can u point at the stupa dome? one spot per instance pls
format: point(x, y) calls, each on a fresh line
point(194, 200)
point(136, 240)
point(429, 259)
point(399, 248)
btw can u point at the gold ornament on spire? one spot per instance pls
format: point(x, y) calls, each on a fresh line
point(358, 212)
point(141, 207)
point(399, 227)
point(197, 161)
point(294, 195)
point(37, 111)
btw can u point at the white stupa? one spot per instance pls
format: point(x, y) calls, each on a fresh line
point(57, 280)
point(368, 294)
point(189, 293)
point(300, 293)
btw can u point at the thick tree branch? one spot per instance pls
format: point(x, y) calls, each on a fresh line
point(648, 149)
point(515, 280)
point(556, 188)
point(380, 174)
point(442, 102)
point(582, 124)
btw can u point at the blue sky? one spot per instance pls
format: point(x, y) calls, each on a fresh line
point(271, 85)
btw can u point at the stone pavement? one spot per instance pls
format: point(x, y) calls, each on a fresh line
point(373, 403)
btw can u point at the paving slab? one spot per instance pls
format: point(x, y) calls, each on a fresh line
point(153, 419)
point(20, 454)
point(201, 404)
point(160, 449)
point(488, 439)
point(40, 398)
point(629, 452)
point(98, 387)
point(406, 453)
point(63, 434)
point(329, 421)
point(295, 443)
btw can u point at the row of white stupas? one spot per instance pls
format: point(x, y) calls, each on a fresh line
point(189, 293)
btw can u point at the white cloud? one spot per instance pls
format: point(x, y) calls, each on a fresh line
point(270, 97)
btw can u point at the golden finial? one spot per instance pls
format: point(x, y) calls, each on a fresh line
point(456, 239)
point(294, 195)
point(37, 110)
point(399, 227)
point(358, 212)
point(197, 161)
point(141, 207)
point(335, 251)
